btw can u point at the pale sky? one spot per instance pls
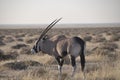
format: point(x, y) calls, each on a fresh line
point(72, 11)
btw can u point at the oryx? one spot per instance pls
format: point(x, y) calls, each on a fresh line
point(59, 46)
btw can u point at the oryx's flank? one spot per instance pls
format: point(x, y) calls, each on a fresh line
point(59, 46)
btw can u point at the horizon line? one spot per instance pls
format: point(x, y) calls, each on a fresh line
point(58, 23)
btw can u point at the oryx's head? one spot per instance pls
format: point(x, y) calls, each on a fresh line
point(37, 47)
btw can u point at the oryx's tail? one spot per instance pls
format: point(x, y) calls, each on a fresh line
point(82, 56)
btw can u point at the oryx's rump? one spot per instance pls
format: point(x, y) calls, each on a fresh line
point(70, 46)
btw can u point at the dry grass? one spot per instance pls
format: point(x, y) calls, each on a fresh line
point(25, 50)
point(102, 57)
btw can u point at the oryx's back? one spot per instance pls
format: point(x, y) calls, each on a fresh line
point(70, 46)
point(57, 38)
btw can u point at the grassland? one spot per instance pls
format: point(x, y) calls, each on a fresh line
point(102, 55)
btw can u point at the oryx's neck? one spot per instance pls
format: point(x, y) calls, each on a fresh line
point(47, 47)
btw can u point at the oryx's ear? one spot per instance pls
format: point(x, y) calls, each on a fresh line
point(45, 37)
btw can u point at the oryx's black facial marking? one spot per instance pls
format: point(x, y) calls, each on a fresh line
point(35, 48)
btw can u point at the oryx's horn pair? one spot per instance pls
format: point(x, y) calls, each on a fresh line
point(49, 27)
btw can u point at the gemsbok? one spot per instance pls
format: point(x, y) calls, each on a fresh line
point(59, 46)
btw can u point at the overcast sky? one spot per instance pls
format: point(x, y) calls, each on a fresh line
point(72, 11)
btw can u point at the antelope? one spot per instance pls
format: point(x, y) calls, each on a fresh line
point(60, 46)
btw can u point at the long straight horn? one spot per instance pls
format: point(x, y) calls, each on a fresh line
point(42, 34)
point(52, 25)
point(49, 27)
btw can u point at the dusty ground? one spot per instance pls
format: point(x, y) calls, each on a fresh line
point(102, 55)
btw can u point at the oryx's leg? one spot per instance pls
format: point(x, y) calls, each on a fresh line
point(60, 62)
point(82, 61)
point(73, 62)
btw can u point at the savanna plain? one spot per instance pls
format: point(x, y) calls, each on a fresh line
point(102, 55)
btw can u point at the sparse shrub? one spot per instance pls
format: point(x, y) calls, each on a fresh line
point(11, 55)
point(114, 37)
point(99, 51)
point(1, 53)
point(25, 50)
point(30, 40)
point(20, 35)
point(18, 46)
point(2, 37)
point(112, 56)
point(19, 39)
point(109, 46)
point(98, 39)
point(87, 38)
point(8, 39)
point(107, 49)
point(108, 33)
point(2, 43)
point(21, 65)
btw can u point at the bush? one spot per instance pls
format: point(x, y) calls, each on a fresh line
point(21, 65)
point(87, 38)
point(1, 37)
point(20, 35)
point(11, 55)
point(98, 39)
point(30, 40)
point(8, 39)
point(19, 39)
point(25, 50)
point(114, 37)
point(106, 49)
point(99, 51)
point(18, 46)
point(109, 46)
point(1, 43)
